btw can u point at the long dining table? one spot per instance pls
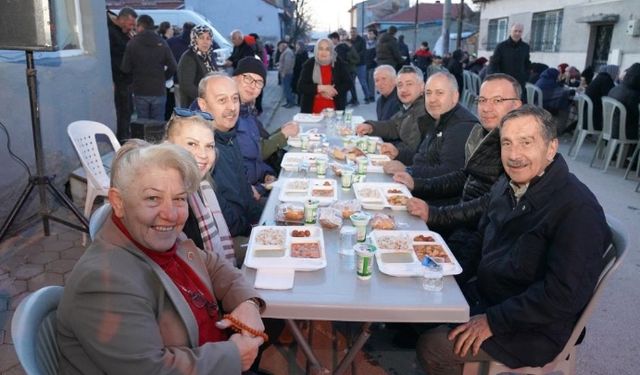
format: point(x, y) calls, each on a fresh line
point(334, 293)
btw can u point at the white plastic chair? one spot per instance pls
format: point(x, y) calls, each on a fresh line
point(565, 362)
point(99, 216)
point(635, 157)
point(83, 136)
point(609, 107)
point(475, 83)
point(585, 124)
point(33, 329)
point(534, 95)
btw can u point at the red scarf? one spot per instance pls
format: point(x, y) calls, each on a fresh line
point(320, 102)
point(203, 306)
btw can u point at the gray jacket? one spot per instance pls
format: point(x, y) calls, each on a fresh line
point(286, 62)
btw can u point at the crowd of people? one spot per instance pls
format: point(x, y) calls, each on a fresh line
point(159, 286)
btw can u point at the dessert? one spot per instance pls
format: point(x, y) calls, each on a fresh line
point(347, 208)
point(383, 221)
point(305, 250)
point(432, 250)
point(300, 233)
point(423, 238)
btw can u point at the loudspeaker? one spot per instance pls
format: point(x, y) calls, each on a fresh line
point(27, 25)
point(151, 131)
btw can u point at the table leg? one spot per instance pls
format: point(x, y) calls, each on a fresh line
point(316, 367)
point(355, 348)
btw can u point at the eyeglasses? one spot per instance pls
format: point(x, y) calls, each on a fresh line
point(259, 84)
point(184, 112)
point(200, 302)
point(495, 100)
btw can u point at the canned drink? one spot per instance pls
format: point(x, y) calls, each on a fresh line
point(362, 164)
point(321, 166)
point(347, 178)
point(311, 211)
point(372, 145)
point(364, 264)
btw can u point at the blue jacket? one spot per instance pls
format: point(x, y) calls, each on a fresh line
point(387, 106)
point(249, 139)
point(239, 208)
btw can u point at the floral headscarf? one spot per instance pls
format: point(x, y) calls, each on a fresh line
point(196, 32)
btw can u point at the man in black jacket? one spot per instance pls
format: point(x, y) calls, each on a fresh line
point(512, 57)
point(469, 186)
point(388, 103)
point(240, 49)
point(360, 46)
point(541, 245)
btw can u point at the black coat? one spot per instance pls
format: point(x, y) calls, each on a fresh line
point(540, 260)
point(117, 44)
point(150, 61)
point(628, 93)
point(360, 46)
point(442, 150)
point(341, 79)
point(511, 58)
point(470, 185)
point(388, 51)
point(241, 51)
point(599, 87)
point(387, 106)
point(301, 57)
point(239, 208)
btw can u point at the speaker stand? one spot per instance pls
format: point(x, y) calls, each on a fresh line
point(40, 180)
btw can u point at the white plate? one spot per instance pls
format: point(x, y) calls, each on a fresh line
point(255, 256)
point(383, 189)
point(313, 184)
point(413, 268)
point(308, 117)
point(292, 160)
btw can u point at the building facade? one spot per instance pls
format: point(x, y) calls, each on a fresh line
point(577, 32)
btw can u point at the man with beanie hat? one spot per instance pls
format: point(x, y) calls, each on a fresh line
point(256, 144)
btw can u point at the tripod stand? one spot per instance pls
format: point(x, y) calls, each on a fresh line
point(40, 180)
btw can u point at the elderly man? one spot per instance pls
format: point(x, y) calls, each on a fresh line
point(448, 124)
point(512, 57)
point(255, 143)
point(541, 241)
point(402, 128)
point(388, 103)
point(218, 95)
point(240, 49)
point(499, 94)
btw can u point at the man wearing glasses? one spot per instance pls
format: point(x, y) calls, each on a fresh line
point(470, 185)
point(256, 145)
point(402, 129)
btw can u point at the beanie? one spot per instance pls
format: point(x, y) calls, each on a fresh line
point(251, 64)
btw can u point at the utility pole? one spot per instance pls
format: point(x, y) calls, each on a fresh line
point(460, 16)
point(446, 21)
point(415, 32)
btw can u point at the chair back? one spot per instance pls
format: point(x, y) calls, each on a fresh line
point(466, 81)
point(83, 136)
point(534, 95)
point(609, 107)
point(475, 83)
point(33, 329)
point(98, 218)
point(585, 113)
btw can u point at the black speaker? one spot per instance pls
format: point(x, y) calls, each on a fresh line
point(27, 25)
point(151, 131)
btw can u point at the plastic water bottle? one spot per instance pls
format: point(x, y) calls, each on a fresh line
point(432, 275)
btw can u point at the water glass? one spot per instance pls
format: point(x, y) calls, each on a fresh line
point(432, 275)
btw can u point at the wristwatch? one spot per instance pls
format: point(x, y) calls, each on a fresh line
point(258, 303)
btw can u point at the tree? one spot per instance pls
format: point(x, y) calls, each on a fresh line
point(301, 27)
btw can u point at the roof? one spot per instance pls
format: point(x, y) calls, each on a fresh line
point(427, 12)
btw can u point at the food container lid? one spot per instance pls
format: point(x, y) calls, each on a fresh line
point(364, 249)
point(360, 216)
point(348, 229)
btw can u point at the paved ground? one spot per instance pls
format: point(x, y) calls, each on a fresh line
point(29, 261)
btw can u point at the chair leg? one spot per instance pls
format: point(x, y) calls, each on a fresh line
point(581, 137)
point(574, 140)
point(610, 150)
point(635, 155)
point(622, 151)
point(597, 150)
point(88, 205)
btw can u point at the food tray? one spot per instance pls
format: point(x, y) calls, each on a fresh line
point(376, 163)
point(275, 247)
point(301, 189)
point(396, 254)
point(291, 160)
point(308, 117)
point(380, 195)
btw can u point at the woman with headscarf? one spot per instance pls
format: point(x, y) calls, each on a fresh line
point(324, 80)
point(143, 299)
point(195, 63)
point(555, 97)
point(599, 87)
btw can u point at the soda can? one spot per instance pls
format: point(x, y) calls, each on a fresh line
point(311, 211)
point(364, 264)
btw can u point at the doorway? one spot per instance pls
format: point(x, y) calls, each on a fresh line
point(602, 45)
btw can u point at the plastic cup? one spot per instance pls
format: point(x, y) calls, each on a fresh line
point(304, 142)
point(310, 211)
point(372, 145)
point(347, 239)
point(321, 166)
point(362, 143)
point(432, 274)
point(360, 221)
point(362, 164)
point(347, 178)
point(364, 263)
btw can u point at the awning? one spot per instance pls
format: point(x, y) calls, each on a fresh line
point(599, 18)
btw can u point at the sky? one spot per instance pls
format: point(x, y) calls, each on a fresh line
point(331, 14)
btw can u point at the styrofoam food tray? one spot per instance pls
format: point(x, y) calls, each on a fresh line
point(277, 254)
point(291, 160)
point(408, 265)
point(301, 189)
point(381, 200)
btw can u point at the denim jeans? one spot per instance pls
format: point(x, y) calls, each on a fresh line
point(151, 107)
point(287, 90)
point(361, 72)
point(371, 83)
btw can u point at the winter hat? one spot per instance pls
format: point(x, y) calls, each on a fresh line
point(251, 64)
point(611, 70)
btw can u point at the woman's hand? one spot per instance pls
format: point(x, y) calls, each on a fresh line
point(248, 348)
point(327, 91)
point(246, 312)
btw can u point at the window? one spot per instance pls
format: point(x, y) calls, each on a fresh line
point(546, 28)
point(497, 32)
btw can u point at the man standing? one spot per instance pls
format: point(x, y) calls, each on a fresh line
point(240, 49)
point(150, 61)
point(388, 103)
point(447, 125)
point(285, 71)
point(403, 129)
point(541, 244)
point(370, 61)
point(120, 28)
point(387, 49)
point(512, 57)
point(360, 46)
point(346, 52)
